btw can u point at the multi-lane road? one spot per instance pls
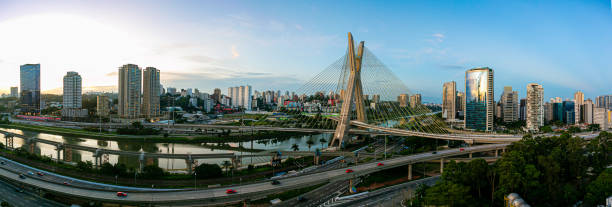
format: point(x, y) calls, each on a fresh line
point(255, 190)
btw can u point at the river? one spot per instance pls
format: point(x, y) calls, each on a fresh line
point(168, 164)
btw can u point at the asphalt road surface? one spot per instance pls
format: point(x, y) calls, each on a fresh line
point(10, 194)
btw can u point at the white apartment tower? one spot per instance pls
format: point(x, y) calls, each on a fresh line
point(73, 98)
point(534, 107)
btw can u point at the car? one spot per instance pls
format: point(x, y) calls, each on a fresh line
point(275, 182)
point(380, 164)
point(40, 173)
point(121, 194)
point(349, 171)
point(301, 199)
point(30, 173)
point(66, 183)
point(22, 176)
point(230, 191)
point(461, 149)
point(434, 152)
point(20, 190)
point(2, 162)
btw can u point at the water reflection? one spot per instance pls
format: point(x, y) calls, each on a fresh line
point(71, 155)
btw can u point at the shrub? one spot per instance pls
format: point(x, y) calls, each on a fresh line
point(204, 171)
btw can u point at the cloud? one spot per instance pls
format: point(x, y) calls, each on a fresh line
point(200, 59)
point(437, 38)
point(112, 74)
point(235, 53)
point(452, 67)
point(299, 27)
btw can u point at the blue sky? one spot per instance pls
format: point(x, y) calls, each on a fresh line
point(564, 45)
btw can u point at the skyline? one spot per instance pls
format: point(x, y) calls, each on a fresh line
point(271, 45)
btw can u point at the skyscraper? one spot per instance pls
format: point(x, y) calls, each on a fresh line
point(415, 100)
point(460, 103)
point(217, 95)
point(15, 92)
point(578, 101)
point(30, 88)
point(600, 116)
point(72, 91)
point(568, 112)
point(150, 92)
point(479, 99)
point(587, 111)
point(535, 107)
point(604, 101)
point(403, 100)
point(130, 79)
point(509, 105)
point(449, 100)
point(523, 109)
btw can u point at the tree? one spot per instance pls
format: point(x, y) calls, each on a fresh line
point(448, 193)
point(226, 164)
point(310, 142)
point(204, 171)
point(295, 147)
point(152, 171)
point(600, 189)
point(85, 166)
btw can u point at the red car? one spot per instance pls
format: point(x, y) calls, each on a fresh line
point(461, 149)
point(121, 194)
point(380, 164)
point(66, 183)
point(40, 173)
point(349, 171)
point(230, 191)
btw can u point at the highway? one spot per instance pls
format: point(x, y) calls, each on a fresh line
point(255, 190)
point(14, 197)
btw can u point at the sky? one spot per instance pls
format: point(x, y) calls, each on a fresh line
point(564, 45)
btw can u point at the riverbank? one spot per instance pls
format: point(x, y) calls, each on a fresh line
point(152, 138)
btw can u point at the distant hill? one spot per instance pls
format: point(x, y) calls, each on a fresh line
point(86, 89)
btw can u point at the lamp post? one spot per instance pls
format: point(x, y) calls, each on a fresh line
point(195, 180)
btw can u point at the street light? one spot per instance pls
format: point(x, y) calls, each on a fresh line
point(195, 180)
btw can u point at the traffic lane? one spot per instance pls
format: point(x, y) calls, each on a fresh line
point(219, 193)
point(9, 194)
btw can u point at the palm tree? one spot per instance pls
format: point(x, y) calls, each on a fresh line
point(322, 141)
point(309, 143)
point(295, 147)
point(226, 164)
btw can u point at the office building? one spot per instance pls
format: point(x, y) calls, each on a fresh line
point(403, 100)
point(449, 100)
point(460, 104)
point(568, 112)
point(103, 106)
point(587, 111)
point(15, 92)
point(522, 109)
point(375, 98)
point(415, 100)
point(578, 101)
point(130, 82)
point(558, 112)
point(479, 103)
point(150, 92)
point(73, 97)
point(534, 107)
point(509, 105)
point(30, 88)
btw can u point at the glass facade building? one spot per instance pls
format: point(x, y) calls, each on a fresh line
point(30, 88)
point(569, 112)
point(479, 99)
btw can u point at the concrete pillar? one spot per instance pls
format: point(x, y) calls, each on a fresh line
point(189, 164)
point(141, 161)
point(410, 172)
point(470, 155)
point(351, 186)
point(441, 165)
point(496, 154)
